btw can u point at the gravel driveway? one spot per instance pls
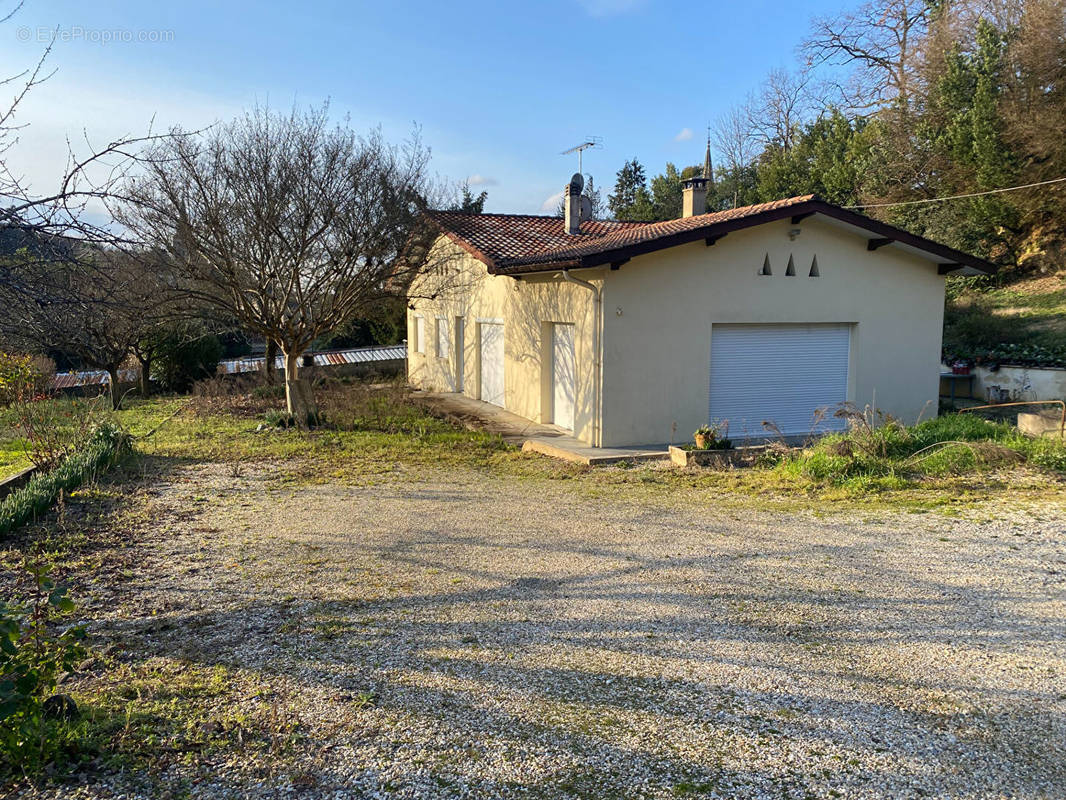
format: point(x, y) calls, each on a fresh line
point(464, 636)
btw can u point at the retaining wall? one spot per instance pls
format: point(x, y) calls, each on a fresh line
point(1024, 383)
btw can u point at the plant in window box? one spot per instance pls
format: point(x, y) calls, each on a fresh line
point(712, 437)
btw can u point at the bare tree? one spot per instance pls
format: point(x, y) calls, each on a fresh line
point(94, 305)
point(737, 147)
point(284, 223)
point(780, 108)
point(879, 44)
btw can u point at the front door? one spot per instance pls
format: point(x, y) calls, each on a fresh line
point(491, 359)
point(459, 360)
point(564, 375)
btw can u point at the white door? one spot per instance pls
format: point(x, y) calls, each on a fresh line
point(491, 359)
point(564, 376)
point(460, 360)
point(780, 373)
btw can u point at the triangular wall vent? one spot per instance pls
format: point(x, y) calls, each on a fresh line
point(790, 270)
point(814, 273)
point(766, 266)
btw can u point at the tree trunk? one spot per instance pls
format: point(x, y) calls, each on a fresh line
point(298, 394)
point(146, 374)
point(116, 398)
point(268, 362)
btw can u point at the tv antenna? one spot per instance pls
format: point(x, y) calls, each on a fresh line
point(590, 143)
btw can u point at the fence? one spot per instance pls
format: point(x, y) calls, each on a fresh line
point(352, 361)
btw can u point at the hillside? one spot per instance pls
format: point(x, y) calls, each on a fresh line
point(1020, 321)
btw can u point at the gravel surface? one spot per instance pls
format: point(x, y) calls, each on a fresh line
point(464, 636)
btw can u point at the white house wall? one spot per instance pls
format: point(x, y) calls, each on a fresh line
point(660, 308)
point(527, 308)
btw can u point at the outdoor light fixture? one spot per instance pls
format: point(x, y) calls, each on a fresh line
point(792, 234)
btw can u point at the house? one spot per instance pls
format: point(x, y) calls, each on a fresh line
point(637, 333)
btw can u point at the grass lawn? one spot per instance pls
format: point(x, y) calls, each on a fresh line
point(375, 435)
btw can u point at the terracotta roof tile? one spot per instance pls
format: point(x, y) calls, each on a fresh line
point(497, 239)
point(513, 243)
point(645, 232)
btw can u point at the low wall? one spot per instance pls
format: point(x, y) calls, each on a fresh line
point(1023, 383)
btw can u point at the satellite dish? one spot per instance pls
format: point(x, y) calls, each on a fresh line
point(586, 208)
point(577, 183)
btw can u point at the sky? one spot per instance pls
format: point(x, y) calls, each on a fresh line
point(498, 89)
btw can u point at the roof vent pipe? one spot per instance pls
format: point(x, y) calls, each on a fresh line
point(572, 204)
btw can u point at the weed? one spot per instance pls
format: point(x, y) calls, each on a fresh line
point(36, 725)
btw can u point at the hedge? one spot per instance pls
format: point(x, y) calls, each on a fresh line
point(106, 445)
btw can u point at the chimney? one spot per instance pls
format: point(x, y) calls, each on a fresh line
point(572, 204)
point(694, 193)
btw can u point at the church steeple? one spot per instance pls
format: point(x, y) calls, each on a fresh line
point(708, 172)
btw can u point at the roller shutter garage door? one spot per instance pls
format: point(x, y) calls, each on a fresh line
point(783, 373)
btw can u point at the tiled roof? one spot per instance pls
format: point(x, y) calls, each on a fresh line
point(512, 244)
point(497, 239)
point(646, 232)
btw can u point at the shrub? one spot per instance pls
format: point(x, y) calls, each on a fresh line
point(35, 723)
point(183, 361)
point(269, 392)
point(54, 428)
point(107, 443)
point(23, 378)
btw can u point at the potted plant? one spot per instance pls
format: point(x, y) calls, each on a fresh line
point(712, 437)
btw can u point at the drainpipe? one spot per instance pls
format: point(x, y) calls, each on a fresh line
point(597, 357)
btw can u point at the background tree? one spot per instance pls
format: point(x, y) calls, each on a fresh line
point(470, 203)
point(736, 147)
point(879, 45)
point(284, 222)
point(630, 199)
point(96, 307)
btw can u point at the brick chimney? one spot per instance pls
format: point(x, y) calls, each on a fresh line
point(694, 193)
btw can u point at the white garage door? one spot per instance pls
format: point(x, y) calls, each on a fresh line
point(781, 373)
point(491, 359)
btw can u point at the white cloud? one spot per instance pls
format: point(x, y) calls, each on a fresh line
point(610, 8)
point(551, 205)
point(684, 135)
point(481, 180)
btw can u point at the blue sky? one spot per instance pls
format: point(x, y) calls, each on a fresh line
point(499, 89)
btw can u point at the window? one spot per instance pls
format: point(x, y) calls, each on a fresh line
point(442, 337)
point(420, 335)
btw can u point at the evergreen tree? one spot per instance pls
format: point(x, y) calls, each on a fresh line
point(630, 196)
point(470, 203)
point(666, 191)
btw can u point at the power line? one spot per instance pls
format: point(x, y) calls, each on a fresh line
point(956, 196)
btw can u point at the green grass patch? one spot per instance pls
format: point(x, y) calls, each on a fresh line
point(891, 457)
point(106, 445)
